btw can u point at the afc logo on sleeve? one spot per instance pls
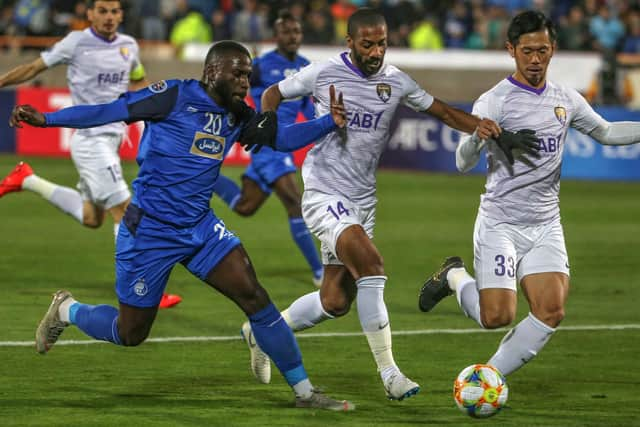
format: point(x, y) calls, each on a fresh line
point(158, 87)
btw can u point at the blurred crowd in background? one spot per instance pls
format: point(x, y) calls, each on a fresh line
point(602, 25)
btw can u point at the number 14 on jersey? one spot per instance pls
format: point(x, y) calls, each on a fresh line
point(338, 211)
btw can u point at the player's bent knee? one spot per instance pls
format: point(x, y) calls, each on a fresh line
point(245, 209)
point(551, 317)
point(133, 335)
point(132, 339)
point(336, 306)
point(496, 319)
point(91, 221)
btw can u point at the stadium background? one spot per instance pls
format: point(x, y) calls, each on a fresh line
point(586, 376)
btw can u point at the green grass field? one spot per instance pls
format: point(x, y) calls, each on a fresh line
point(584, 377)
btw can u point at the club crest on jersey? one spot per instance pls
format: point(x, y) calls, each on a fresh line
point(561, 115)
point(124, 52)
point(384, 91)
point(140, 288)
point(207, 145)
point(158, 87)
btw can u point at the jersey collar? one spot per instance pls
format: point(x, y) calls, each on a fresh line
point(102, 37)
point(278, 54)
point(527, 87)
point(349, 64)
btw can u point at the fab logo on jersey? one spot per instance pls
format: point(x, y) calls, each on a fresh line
point(363, 121)
point(207, 145)
point(111, 78)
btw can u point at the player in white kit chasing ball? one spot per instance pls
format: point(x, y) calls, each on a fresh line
point(518, 236)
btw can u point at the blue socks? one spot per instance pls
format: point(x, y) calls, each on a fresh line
point(276, 339)
point(227, 190)
point(97, 321)
point(302, 237)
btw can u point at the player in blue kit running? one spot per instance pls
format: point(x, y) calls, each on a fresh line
point(272, 170)
point(190, 127)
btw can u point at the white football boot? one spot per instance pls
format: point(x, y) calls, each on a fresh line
point(319, 400)
point(399, 387)
point(260, 362)
point(51, 327)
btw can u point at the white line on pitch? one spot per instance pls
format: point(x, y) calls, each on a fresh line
point(330, 335)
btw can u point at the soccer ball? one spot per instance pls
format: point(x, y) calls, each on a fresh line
point(480, 391)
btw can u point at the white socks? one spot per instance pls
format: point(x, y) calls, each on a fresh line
point(466, 293)
point(303, 389)
point(63, 310)
point(305, 312)
point(64, 198)
point(521, 344)
point(374, 320)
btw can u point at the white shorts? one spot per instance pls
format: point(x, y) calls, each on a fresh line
point(505, 253)
point(98, 163)
point(327, 216)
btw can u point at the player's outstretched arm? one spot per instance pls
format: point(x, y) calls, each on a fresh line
point(298, 135)
point(22, 73)
point(616, 133)
point(271, 98)
point(262, 129)
point(26, 114)
point(78, 117)
point(463, 121)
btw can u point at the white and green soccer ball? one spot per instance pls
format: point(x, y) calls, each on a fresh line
point(480, 391)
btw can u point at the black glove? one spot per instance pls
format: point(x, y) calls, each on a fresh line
point(262, 129)
point(244, 113)
point(524, 140)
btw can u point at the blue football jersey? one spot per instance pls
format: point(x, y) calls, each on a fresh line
point(186, 137)
point(269, 69)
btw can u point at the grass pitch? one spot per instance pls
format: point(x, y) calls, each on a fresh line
point(586, 376)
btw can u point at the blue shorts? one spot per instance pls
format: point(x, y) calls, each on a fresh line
point(267, 166)
point(147, 250)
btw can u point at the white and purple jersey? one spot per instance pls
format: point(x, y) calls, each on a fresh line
point(98, 69)
point(348, 168)
point(528, 194)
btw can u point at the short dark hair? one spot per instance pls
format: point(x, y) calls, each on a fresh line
point(365, 16)
point(285, 15)
point(91, 3)
point(225, 47)
point(530, 21)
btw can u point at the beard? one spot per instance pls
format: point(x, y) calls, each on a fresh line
point(237, 106)
point(225, 92)
point(365, 66)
